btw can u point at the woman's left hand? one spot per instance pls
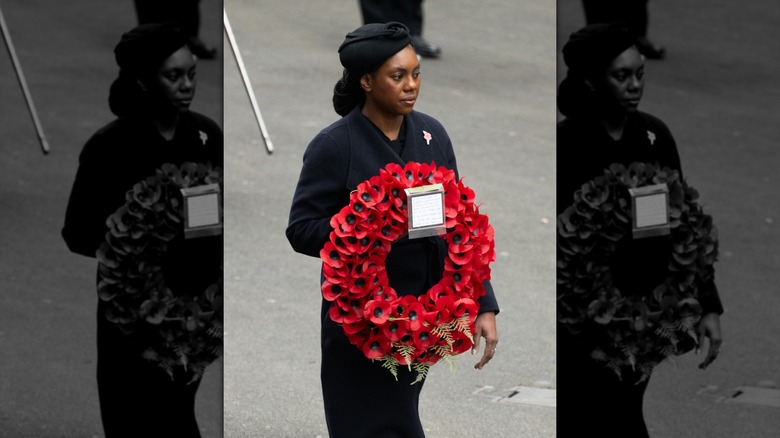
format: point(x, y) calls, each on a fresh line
point(709, 327)
point(486, 328)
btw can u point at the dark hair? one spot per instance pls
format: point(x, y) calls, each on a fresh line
point(347, 94)
point(575, 96)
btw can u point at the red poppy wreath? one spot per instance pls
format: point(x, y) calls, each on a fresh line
point(179, 330)
point(412, 331)
point(623, 329)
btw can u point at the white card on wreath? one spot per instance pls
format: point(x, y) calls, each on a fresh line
point(202, 211)
point(425, 209)
point(650, 211)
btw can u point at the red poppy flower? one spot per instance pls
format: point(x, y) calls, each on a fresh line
point(424, 338)
point(459, 239)
point(461, 342)
point(376, 347)
point(446, 306)
point(344, 221)
point(429, 356)
point(443, 288)
point(466, 307)
point(355, 327)
point(332, 291)
point(460, 258)
point(395, 330)
point(331, 256)
point(602, 311)
point(467, 195)
point(415, 314)
point(358, 339)
point(340, 311)
point(370, 193)
point(340, 275)
point(377, 311)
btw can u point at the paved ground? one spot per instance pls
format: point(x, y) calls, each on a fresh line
point(493, 89)
point(717, 92)
point(47, 304)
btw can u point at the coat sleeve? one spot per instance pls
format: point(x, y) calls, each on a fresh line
point(320, 193)
point(87, 210)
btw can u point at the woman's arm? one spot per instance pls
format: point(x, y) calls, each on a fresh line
point(321, 192)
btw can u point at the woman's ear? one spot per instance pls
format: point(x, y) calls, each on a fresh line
point(365, 83)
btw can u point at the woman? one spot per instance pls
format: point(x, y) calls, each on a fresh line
point(599, 98)
point(376, 98)
point(151, 99)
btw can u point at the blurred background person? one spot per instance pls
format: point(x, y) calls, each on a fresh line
point(408, 12)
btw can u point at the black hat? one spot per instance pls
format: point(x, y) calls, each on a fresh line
point(593, 47)
point(146, 47)
point(369, 46)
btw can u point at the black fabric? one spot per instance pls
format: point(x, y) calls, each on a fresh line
point(138, 398)
point(183, 12)
point(397, 145)
point(368, 47)
point(408, 12)
point(631, 12)
point(591, 400)
point(339, 158)
point(145, 47)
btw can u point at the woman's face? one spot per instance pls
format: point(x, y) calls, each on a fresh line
point(392, 89)
point(623, 82)
point(174, 82)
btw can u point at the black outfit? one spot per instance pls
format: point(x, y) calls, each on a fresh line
point(185, 13)
point(362, 399)
point(631, 12)
point(137, 398)
point(591, 400)
point(408, 12)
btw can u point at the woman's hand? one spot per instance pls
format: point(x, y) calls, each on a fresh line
point(709, 327)
point(486, 328)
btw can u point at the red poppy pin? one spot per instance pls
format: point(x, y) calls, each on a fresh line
point(427, 136)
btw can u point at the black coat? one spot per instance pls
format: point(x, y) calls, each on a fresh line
point(339, 158)
point(591, 400)
point(136, 396)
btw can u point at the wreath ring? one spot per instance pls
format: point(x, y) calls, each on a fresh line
point(628, 330)
point(181, 331)
point(415, 331)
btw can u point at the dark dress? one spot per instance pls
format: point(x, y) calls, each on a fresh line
point(362, 399)
point(591, 400)
point(137, 398)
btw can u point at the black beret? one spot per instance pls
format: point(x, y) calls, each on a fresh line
point(369, 46)
point(593, 47)
point(144, 48)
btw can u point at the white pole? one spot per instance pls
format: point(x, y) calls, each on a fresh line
point(20, 76)
point(248, 86)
